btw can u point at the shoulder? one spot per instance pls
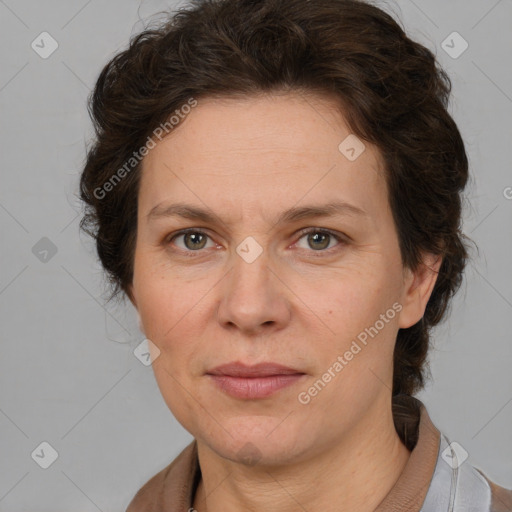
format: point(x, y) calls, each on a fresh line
point(455, 483)
point(501, 498)
point(149, 496)
point(172, 487)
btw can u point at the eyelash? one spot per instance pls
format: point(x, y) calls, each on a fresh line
point(341, 241)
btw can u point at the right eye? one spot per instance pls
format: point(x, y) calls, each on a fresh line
point(193, 239)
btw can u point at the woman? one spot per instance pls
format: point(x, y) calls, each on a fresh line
point(277, 186)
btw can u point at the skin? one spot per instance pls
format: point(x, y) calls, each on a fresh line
point(301, 303)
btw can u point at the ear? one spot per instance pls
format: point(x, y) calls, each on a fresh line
point(130, 295)
point(417, 289)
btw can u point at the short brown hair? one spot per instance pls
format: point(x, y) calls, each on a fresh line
point(390, 88)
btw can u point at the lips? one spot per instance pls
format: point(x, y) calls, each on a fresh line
point(253, 382)
point(267, 369)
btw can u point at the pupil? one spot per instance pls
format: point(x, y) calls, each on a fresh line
point(195, 237)
point(316, 235)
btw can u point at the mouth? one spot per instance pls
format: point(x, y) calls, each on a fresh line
point(253, 382)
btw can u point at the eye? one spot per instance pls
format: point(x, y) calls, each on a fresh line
point(320, 239)
point(193, 240)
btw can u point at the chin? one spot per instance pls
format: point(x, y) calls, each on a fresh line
point(257, 444)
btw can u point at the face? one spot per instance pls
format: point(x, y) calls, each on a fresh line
point(253, 284)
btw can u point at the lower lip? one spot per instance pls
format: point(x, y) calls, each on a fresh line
point(254, 387)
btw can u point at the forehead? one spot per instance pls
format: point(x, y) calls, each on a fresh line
point(266, 149)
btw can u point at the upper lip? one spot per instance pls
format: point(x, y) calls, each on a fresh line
point(266, 369)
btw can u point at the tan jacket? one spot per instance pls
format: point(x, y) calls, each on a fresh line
point(436, 478)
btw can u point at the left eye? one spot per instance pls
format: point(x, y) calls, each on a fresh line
point(319, 239)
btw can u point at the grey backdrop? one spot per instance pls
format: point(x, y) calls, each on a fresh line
point(68, 374)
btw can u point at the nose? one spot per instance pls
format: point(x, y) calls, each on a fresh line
point(254, 297)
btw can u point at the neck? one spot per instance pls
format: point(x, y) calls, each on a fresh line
point(355, 474)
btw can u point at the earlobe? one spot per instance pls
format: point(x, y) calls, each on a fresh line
point(139, 322)
point(131, 296)
point(418, 287)
point(129, 293)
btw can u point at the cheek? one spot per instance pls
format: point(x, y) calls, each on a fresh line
point(351, 302)
point(174, 317)
point(176, 390)
point(171, 322)
point(164, 300)
point(358, 309)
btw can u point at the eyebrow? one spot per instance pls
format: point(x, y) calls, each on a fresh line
point(294, 214)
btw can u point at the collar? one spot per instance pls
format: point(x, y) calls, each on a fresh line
point(173, 488)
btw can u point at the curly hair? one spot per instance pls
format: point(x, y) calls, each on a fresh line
point(390, 88)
